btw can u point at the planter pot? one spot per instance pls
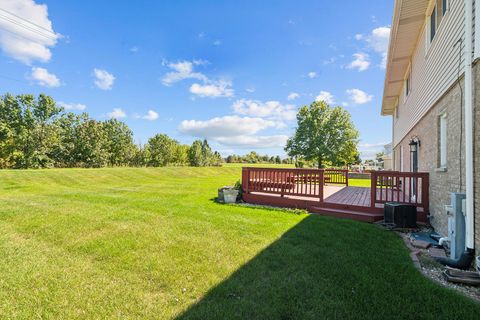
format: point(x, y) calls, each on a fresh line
point(230, 195)
point(220, 193)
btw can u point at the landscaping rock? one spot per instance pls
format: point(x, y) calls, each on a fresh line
point(437, 252)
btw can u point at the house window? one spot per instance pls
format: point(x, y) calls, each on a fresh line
point(433, 23)
point(444, 6)
point(436, 16)
point(442, 141)
point(408, 84)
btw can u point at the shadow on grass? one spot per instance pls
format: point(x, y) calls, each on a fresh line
point(259, 207)
point(331, 269)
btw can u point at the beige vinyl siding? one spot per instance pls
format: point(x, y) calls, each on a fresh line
point(434, 69)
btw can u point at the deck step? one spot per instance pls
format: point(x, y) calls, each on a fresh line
point(348, 214)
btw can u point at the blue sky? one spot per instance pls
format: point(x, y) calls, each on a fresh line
point(233, 72)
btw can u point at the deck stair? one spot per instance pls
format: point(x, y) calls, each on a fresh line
point(347, 214)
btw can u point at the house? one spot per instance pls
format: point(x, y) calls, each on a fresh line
point(388, 157)
point(431, 91)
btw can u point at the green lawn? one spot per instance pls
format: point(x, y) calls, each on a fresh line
point(151, 243)
point(365, 183)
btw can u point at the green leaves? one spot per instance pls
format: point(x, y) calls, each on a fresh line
point(36, 133)
point(324, 134)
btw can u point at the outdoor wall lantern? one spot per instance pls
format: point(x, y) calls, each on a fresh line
point(414, 145)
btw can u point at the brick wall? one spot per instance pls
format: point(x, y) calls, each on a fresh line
point(477, 156)
point(442, 183)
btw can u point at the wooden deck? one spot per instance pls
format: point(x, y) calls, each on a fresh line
point(310, 189)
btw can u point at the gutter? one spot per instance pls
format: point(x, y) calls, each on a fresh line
point(469, 168)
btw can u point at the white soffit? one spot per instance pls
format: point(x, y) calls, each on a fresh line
point(408, 21)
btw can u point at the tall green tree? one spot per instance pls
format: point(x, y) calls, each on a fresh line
point(195, 156)
point(120, 145)
point(324, 134)
point(36, 133)
point(162, 150)
point(181, 155)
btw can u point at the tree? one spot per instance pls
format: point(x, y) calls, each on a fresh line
point(324, 134)
point(120, 146)
point(162, 150)
point(181, 155)
point(36, 133)
point(207, 154)
point(379, 156)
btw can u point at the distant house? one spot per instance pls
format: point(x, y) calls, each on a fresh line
point(388, 157)
point(431, 91)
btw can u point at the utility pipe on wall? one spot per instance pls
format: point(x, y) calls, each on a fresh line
point(469, 170)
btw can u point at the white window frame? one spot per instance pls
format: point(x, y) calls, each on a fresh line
point(442, 141)
point(429, 39)
point(433, 14)
point(445, 7)
point(408, 83)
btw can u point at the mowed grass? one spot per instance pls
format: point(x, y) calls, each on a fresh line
point(151, 243)
point(364, 183)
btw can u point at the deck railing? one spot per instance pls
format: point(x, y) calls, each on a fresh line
point(295, 182)
point(404, 187)
point(336, 176)
point(292, 182)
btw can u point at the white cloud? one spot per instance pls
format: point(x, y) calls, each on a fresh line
point(228, 126)
point(134, 49)
point(72, 106)
point(26, 33)
point(292, 96)
point(117, 113)
point(210, 88)
point(273, 110)
point(234, 131)
point(358, 96)
point(44, 78)
point(250, 90)
point(369, 150)
point(312, 74)
point(378, 41)
point(103, 79)
point(325, 96)
point(361, 62)
point(151, 115)
point(213, 89)
point(183, 70)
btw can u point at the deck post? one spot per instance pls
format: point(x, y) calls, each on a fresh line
point(425, 193)
point(346, 177)
point(321, 184)
point(245, 178)
point(373, 188)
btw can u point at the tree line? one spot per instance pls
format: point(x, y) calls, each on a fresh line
point(254, 157)
point(37, 133)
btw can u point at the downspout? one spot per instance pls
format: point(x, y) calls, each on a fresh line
point(469, 169)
